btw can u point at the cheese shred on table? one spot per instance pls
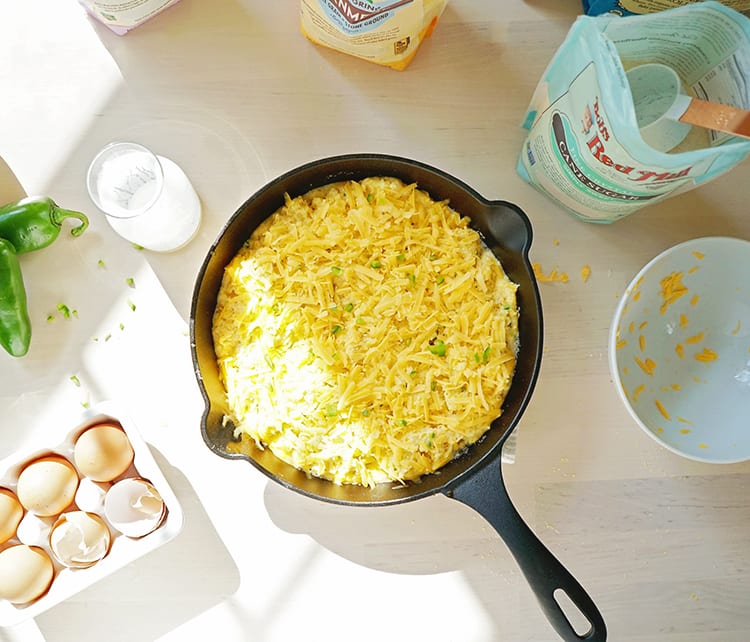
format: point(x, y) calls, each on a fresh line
point(365, 334)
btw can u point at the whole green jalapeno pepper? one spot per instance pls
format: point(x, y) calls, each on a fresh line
point(35, 222)
point(15, 325)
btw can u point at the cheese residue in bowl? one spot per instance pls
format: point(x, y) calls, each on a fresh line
point(364, 333)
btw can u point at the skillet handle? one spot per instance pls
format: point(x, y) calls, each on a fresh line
point(485, 492)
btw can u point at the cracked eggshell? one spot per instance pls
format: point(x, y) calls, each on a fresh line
point(47, 486)
point(26, 573)
point(36, 583)
point(11, 514)
point(79, 539)
point(103, 452)
point(134, 507)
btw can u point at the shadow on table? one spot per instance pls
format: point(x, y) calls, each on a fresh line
point(427, 536)
point(430, 536)
point(156, 593)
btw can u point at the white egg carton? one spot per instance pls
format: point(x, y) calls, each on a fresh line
point(123, 550)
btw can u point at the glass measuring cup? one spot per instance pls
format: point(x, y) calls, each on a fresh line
point(147, 199)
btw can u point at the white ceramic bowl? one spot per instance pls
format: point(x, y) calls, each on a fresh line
point(679, 349)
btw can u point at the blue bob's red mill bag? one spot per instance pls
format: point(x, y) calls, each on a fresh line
point(584, 149)
point(387, 33)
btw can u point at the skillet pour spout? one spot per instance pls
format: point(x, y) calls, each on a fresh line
point(474, 478)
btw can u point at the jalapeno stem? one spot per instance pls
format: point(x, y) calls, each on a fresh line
point(58, 215)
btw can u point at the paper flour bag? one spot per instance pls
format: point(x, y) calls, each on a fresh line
point(123, 15)
point(584, 149)
point(637, 7)
point(384, 32)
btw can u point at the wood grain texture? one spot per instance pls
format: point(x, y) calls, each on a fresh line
point(231, 91)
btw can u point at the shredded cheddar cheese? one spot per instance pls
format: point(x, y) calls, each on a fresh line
point(637, 392)
point(672, 289)
point(585, 273)
point(552, 277)
point(662, 410)
point(642, 343)
point(698, 255)
point(680, 350)
point(365, 334)
point(696, 338)
point(648, 366)
point(706, 355)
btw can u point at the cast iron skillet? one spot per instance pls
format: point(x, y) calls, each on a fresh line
point(474, 478)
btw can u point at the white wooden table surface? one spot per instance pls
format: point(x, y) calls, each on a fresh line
point(234, 93)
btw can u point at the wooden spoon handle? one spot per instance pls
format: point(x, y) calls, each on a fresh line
point(723, 118)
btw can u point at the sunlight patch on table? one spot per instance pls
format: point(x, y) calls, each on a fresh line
point(48, 124)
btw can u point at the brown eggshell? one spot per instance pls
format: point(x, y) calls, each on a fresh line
point(26, 573)
point(47, 486)
point(103, 452)
point(11, 513)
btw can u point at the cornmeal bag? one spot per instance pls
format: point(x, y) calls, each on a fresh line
point(584, 149)
point(384, 32)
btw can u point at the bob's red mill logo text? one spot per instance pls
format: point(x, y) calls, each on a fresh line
point(355, 12)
